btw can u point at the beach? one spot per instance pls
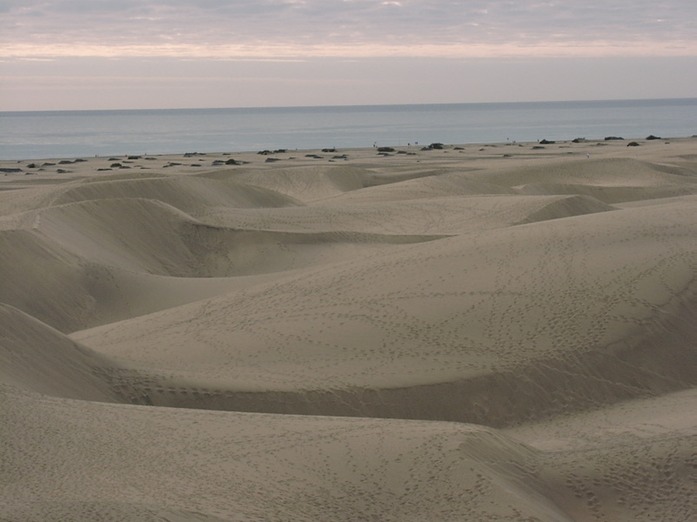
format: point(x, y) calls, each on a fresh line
point(496, 331)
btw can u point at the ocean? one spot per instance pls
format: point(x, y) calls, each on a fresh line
point(65, 134)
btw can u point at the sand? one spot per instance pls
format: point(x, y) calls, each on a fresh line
point(484, 332)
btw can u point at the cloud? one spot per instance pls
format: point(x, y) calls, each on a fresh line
point(351, 28)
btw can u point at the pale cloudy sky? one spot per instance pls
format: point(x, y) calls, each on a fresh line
point(92, 54)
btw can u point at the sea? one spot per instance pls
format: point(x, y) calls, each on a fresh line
point(66, 134)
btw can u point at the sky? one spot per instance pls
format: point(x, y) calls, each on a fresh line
point(136, 54)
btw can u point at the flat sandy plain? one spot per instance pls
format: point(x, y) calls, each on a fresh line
point(486, 332)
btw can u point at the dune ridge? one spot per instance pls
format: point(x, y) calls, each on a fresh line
point(487, 333)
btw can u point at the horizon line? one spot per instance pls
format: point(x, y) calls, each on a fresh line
point(350, 105)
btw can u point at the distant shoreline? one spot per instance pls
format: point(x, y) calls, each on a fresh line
point(398, 148)
point(117, 133)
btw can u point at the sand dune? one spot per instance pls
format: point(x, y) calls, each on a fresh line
point(142, 463)
point(610, 172)
point(145, 463)
point(305, 183)
point(494, 333)
point(252, 466)
point(612, 181)
point(145, 235)
point(446, 184)
point(366, 332)
point(107, 245)
point(187, 193)
point(38, 358)
point(442, 215)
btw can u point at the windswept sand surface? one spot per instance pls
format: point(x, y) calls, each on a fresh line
point(479, 333)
